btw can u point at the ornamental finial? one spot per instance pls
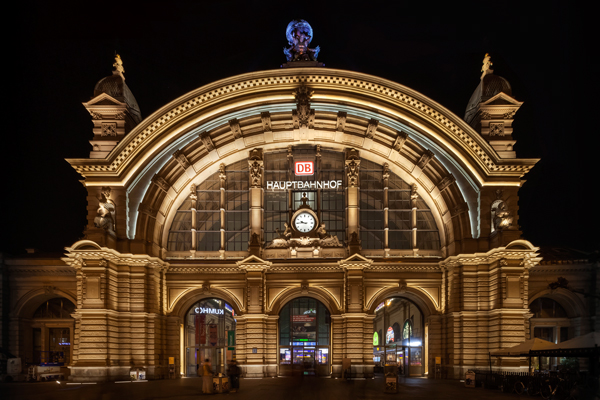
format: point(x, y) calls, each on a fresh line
point(119, 66)
point(487, 65)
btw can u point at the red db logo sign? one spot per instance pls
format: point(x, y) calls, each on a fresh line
point(304, 168)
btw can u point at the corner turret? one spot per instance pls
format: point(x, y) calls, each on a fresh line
point(491, 110)
point(114, 111)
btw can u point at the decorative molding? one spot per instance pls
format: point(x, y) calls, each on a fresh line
point(108, 129)
point(340, 123)
point(400, 140)
point(303, 115)
point(181, 159)
point(207, 141)
point(236, 131)
point(151, 129)
point(161, 183)
point(265, 119)
point(496, 129)
point(372, 128)
point(446, 182)
point(425, 158)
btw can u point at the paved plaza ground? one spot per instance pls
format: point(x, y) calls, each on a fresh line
point(306, 388)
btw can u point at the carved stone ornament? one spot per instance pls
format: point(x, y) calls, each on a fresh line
point(486, 68)
point(95, 115)
point(413, 192)
point(444, 183)
point(193, 194)
point(181, 159)
point(222, 174)
point(386, 171)
point(400, 139)
point(105, 214)
point(49, 289)
point(425, 158)
point(485, 115)
point(496, 129)
point(352, 168)
point(510, 114)
point(372, 128)
point(236, 131)
point(206, 289)
point(265, 118)
point(255, 167)
point(108, 129)
point(161, 183)
point(304, 288)
point(318, 150)
point(341, 121)
point(303, 114)
point(207, 141)
point(299, 35)
point(502, 218)
point(120, 115)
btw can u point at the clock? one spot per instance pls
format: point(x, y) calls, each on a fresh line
point(304, 222)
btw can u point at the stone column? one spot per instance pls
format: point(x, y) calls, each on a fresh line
point(222, 178)
point(255, 166)
point(352, 193)
point(386, 229)
point(255, 319)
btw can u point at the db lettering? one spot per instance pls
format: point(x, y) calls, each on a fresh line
point(304, 168)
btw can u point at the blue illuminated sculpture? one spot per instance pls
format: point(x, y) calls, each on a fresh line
point(299, 35)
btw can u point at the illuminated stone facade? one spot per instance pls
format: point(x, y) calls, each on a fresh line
point(143, 265)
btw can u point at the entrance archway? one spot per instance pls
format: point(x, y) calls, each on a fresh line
point(399, 337)
point(304, 338)
point(209, 333)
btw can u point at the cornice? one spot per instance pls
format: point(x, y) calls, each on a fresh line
point(275, 86)
point(54, 270)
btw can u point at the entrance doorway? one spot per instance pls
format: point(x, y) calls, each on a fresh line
point(209, 334)
point(304, 330)
point(398, 334)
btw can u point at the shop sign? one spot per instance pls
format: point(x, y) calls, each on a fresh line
point(375, 339)
point(230, 309)
point(303, 318)
point(304, 168)
point(213, 336)
point(389, 337)
point(216, 311)
point(286, 185)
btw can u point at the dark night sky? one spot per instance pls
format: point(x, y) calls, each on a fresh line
point(171, 48)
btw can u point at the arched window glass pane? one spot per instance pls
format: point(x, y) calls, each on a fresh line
point(544, 307)
point(55, 308)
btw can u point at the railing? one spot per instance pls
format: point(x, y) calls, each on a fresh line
point(547, 384)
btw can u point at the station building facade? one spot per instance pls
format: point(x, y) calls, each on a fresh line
point(305, 219)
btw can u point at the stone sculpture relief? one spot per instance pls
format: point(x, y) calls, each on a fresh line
point(105, 215)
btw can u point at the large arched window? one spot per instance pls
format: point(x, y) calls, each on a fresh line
point(409, 222)
point(550, 322)
point(214, 214)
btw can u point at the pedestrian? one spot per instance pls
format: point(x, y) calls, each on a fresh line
point(234, 375)
point(206, 373)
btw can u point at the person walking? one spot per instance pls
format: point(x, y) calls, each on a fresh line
point(206, 373)
point(234, 375)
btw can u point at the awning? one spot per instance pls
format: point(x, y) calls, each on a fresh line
point(524, 348)
point(586, 345)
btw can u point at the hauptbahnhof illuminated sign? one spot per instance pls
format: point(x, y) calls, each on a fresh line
point(286, 185)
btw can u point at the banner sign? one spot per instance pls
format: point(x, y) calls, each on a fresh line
point(213, 336)
point(200, 329)
point(230, 338)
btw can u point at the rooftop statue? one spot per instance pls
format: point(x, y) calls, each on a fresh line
point(299, 35)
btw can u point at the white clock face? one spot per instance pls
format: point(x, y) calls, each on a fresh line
point(304, 222)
